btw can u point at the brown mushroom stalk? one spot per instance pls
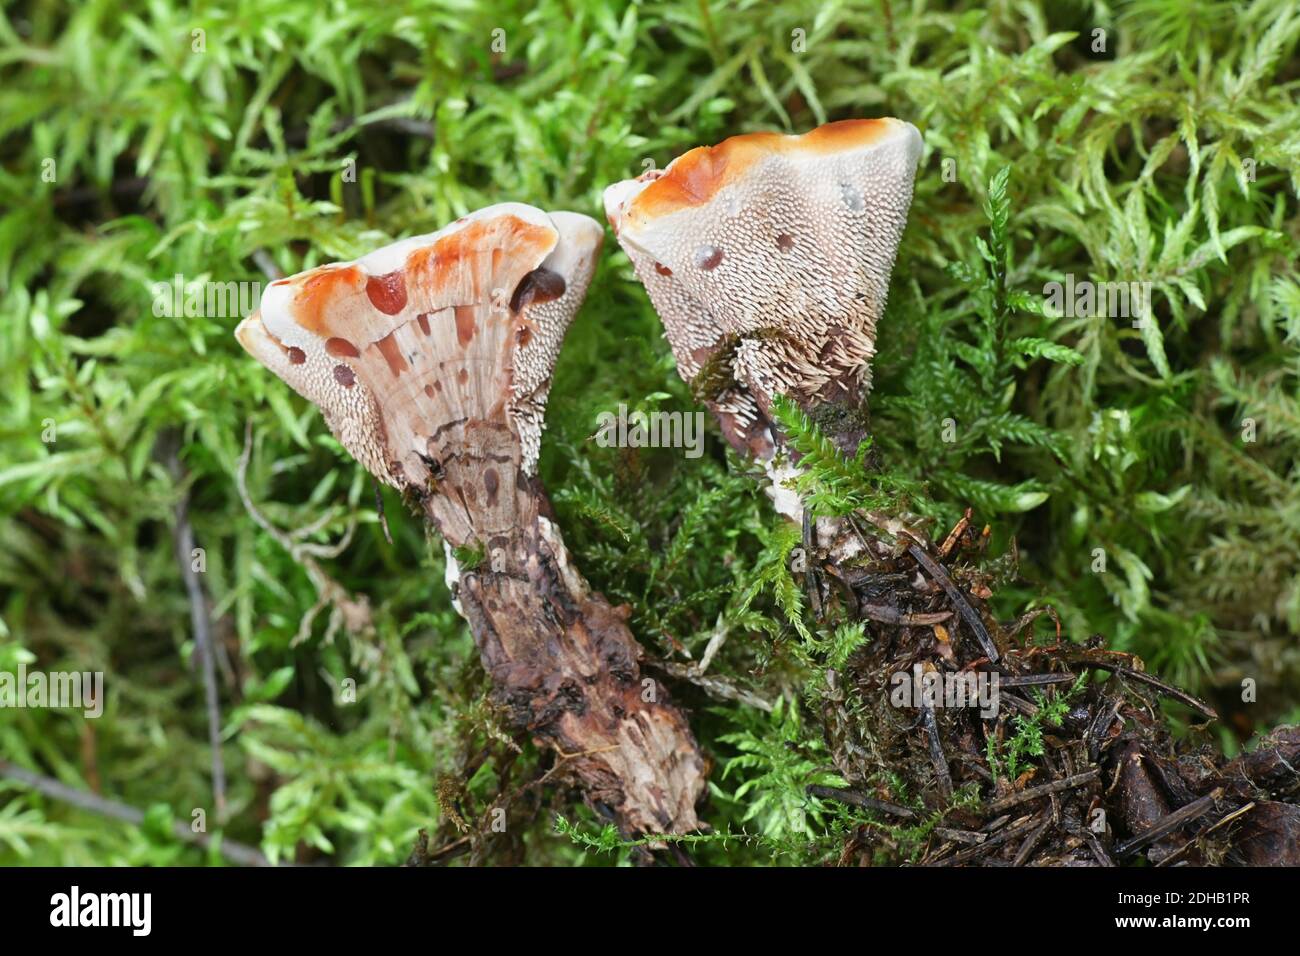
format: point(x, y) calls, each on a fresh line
point(431, 361)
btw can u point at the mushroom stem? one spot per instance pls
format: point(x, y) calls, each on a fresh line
point(563, 662)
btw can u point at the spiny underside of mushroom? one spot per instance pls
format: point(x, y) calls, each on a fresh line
point(768, 259)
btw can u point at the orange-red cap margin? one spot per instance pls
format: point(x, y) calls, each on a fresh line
point(696, 176)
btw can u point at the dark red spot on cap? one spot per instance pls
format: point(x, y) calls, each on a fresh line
point(341, 348)
point(462, 376)
point(662, 269)
point(392, 355)
point(296, 355)
point(428, 390)
point(540, 285)
point(466, 325)
point(423, 320)
point(387, 292)
point(785, 242)
point(490, 484)
point(344, 376)
point(708, 257)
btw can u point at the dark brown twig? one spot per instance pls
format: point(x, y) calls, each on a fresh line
point(936, 752)
point(883, 614)
point(965, 856)
point(1033, 793)
point(968, 613)
point(1169, 823)
point(1225, 819)
point(1169, 690)
point(857, 799)
point(1031, 842)
point(969, 837)
point(1036, 680)
point(1095, 845)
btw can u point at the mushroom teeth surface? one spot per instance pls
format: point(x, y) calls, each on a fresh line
point(461, 325)
point(768, 259)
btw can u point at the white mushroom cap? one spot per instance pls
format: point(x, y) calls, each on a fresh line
point(461, 325)
point(770, 255)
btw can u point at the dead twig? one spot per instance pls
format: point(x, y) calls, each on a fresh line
point(200, 621)
point(936, 752)
point(714, 686)
point(858, 799)
point(968, 613)
point(1222, 821)
point(1031, 842)
point(1169, 823)
point(352, 613)
point(950, 542)
point(965, 856)
point(234, 852)
point(1095, 845)
point(883, 614)
point(1033, 793)
point(1169, 690)
point(1036, 680)
point(716, 640)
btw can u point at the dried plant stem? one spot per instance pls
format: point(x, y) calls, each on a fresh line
point(234, 852)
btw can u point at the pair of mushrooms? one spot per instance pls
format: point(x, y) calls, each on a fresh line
point(768, 259)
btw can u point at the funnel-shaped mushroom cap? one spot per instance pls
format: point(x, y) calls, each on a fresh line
point(435, 346)
point(768, 259)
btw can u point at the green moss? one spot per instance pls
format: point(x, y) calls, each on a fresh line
point(135, 150)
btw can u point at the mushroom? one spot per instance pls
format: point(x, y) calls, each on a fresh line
point(768, 259)
point(431, 360)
